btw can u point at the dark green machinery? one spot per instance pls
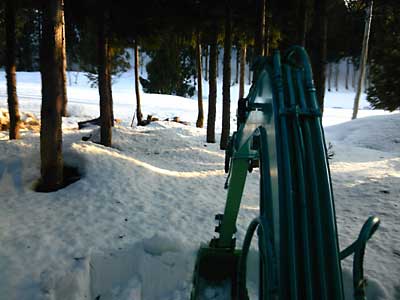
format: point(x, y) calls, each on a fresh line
point(280, 131)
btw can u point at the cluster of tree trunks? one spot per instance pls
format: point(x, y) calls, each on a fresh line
point(53, 70)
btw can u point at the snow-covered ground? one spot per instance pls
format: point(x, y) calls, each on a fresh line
point(130, 228)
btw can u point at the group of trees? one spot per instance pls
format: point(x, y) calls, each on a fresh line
point(94, 36)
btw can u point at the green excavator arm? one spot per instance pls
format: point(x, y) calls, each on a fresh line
point(280, 131)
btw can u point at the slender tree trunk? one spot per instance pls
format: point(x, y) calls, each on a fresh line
point(242, 70)
point(347, 73)
point(206, 64)
point(364, 56)
point(212, 83)
point(137, 90)
point(353, 79)
point(319, 48)
point(337, 70)
point(217, 62)
point(200, 116)
point(305, 8)
point(249, 74)
point(260, 29)
point(237, 64)
point(104, 81)
point(11, 69)
point(50, 128)
point(64, 66)
point(267, 33)
point(330, 77)
point(366, 81)
point(226, 84)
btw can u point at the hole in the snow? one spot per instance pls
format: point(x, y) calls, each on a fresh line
point(71, 174)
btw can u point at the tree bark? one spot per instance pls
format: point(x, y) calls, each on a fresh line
point(217, 62)
point(242, 70)
point(364, 56)
point(64, 66)
point(104, 81)
point(329, 76)
point(319, 49)
point(226, 81)
point(200, 116)
point(267, 30)
point(347, 73)
point(50, 128)
point(337, 70)
point(206, 64)
point(237, 64)
point(137, 90)
point(249, 74)
point(212, 86)
point(11, 48)
point(260, 29)
point(305, 12)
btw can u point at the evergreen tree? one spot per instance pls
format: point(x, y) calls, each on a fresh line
point(171, 68)
point(384, 92)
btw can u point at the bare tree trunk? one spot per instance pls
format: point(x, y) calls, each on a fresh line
point(217, 62)
point(319, 46)
point(242, 70)
point(237, 64)
point(347, 73)
point(137, 90)
point(212, 83)
point(364, 56)
point(305, 12)
point(353, 79)
point(226, 84)
point(260, 29)
point(337, 70)
point(267, 33)
point(141, 63)
point(329, 76)
point(64, 66)
point(206, 64)
point(104, 81)
point(366, 81)
point(200, 116)
point(249, 74)
point(11, 69)
point(50, 128)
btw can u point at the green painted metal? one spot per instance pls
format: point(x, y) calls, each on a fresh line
point(279, 126)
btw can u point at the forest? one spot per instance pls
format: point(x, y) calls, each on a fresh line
point(178, 37)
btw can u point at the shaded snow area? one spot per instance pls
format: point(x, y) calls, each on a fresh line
point(130, 228)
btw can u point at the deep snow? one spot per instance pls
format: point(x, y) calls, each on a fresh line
point(130, 228)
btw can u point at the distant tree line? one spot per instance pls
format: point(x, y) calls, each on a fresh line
point(179, 37)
